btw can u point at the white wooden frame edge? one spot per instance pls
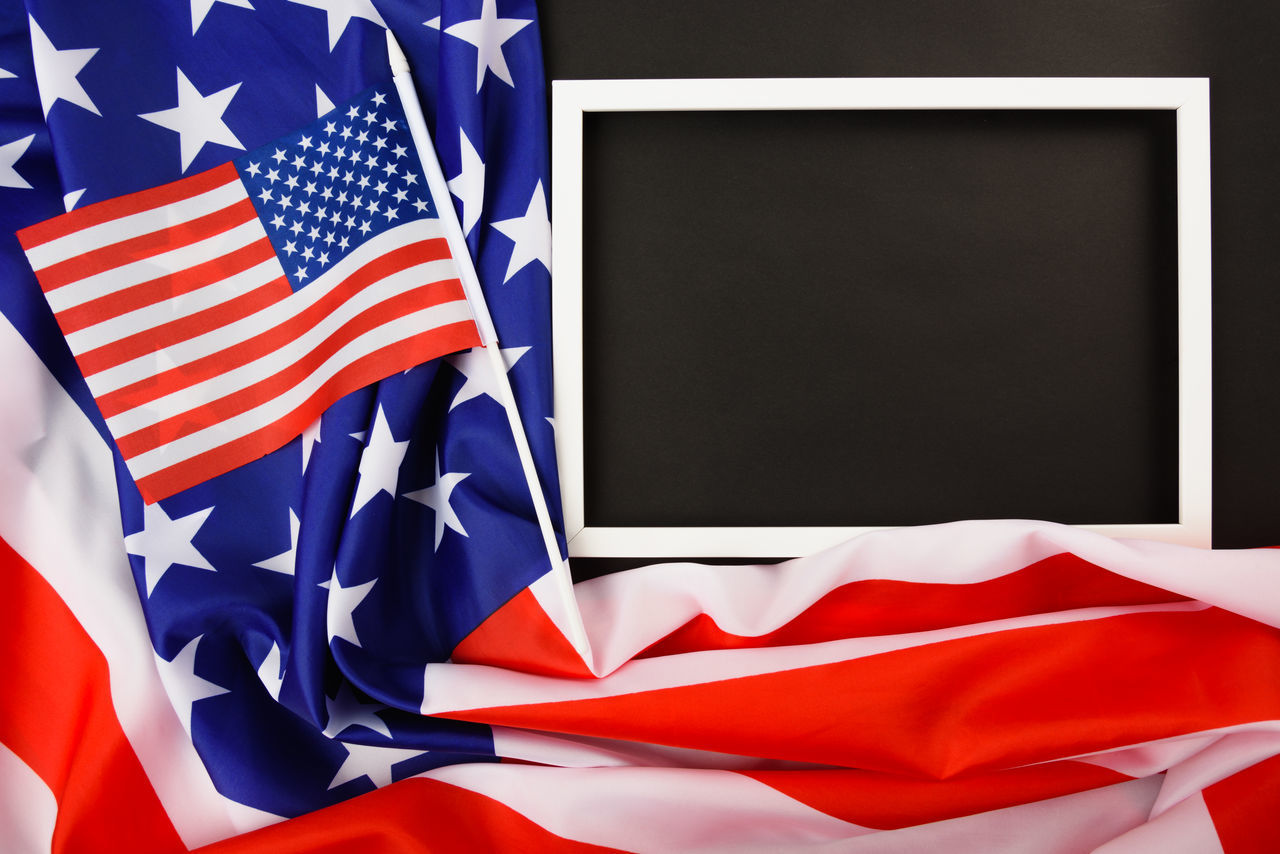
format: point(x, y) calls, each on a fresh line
point(1189, 97)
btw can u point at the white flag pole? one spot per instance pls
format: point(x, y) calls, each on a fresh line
point(488, 336)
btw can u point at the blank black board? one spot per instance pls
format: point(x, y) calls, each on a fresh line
point(880, 317)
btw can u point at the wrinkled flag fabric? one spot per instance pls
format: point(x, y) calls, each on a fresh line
point(350, 643)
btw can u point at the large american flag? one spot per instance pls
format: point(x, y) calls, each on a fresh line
point(353, 642)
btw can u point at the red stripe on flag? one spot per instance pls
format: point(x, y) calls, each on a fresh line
point(520, 636)
point(878, 607)
point(1243, 808)
point(145, 246)
point(960, 706)
point(251, 349)
point(138, 296)
point(216, 411)
point(58, 718)
point(182, 329)
point(891, 801)
point(377, 365)
point(143, 200)
point(412, 816)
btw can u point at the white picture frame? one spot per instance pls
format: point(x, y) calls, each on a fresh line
point(571, 99)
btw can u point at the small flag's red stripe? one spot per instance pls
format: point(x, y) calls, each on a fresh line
point(414, 816)
point(138, 296)
point(144, 200)
point(58, 717)
point(892, 801)
point(872, 607)
point(288, 375)
point(145, 246)
point(396, 357)
point(182, 329)
point(265, 343)
point(962, 706)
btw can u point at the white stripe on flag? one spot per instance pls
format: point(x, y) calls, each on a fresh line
point(585, 751)
point(654, 809)
point(94, 237)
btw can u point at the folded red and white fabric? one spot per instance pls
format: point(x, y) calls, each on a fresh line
point(977, 686)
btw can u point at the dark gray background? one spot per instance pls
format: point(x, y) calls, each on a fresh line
point(928, 339)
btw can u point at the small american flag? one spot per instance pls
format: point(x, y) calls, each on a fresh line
point(217, 316)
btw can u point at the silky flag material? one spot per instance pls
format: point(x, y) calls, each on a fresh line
point(216, 317)
point(354, 642)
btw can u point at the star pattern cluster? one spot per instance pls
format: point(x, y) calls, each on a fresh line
point(344, 179)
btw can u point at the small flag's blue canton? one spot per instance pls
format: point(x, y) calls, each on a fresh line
point(347, 177)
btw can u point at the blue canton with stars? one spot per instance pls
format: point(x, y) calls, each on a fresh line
point(341, 180)
point(294, 603)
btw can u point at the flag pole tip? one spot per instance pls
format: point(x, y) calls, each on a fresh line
point(399, 65)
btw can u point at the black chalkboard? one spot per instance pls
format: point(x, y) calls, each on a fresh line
point(880, 317)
